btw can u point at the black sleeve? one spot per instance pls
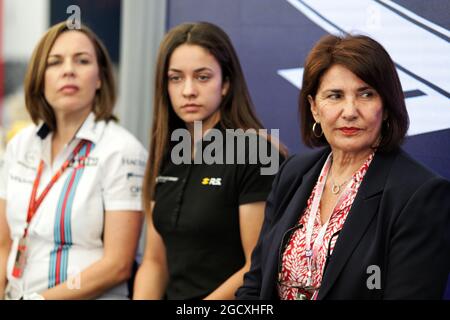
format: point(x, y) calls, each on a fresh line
point(255, 179)
point(419, 255)
point(253, 186)
point(251, 287)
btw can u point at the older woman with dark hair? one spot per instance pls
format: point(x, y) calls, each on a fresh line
point(358, 219)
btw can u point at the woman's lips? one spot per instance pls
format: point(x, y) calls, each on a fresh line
point(69, 89)
point(191, 107)
point(349, 131)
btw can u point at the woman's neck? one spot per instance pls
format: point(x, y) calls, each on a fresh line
point(67, 126)
point(206, 125)
point(345, 164)
point(197, 134)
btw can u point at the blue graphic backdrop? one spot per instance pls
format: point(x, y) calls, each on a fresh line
point(272, 38)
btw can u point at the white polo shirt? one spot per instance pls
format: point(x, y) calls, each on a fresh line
point(65, 235)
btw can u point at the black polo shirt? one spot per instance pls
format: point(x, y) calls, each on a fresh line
point(197, 214)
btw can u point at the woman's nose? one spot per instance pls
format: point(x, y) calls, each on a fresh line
point(189, 88)
point(68, 68)
point(350, 108)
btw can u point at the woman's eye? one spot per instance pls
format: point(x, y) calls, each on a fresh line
point(334, 96)
point(83, 61)
point(203, 77)
point(367, 94)
point(52, 63)
point(174, 78)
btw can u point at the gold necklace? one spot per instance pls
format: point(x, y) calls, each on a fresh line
point(336, 188)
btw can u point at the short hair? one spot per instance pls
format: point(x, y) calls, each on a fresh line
point(368, 60)
point(36, 104)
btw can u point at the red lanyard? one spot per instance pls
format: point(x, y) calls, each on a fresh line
point(35, 203)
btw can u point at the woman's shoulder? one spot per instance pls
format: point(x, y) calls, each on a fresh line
point(26, 133)
point(25, 138)
point(409, 170)
point(120, 139)
point(299, 164)
point(408, 177)
point(296, 166)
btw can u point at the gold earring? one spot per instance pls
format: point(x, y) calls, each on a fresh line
point(314, 130)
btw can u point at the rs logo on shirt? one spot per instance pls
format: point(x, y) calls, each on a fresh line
point(212, 181)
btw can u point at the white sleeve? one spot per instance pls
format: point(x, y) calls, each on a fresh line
point(123, 174)
point(5, 162)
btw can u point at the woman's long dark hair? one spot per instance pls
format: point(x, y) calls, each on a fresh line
point(236, 109)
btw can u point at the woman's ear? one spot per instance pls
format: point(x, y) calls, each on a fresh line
point(225, 87)
point(314, 110)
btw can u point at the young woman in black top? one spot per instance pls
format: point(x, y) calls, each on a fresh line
point(203, 219)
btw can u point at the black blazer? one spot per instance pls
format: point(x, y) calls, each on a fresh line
point(399, 221)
